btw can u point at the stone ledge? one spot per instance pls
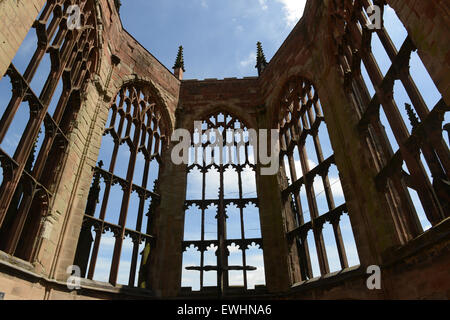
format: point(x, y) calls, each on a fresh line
point(328, 280)
point(435, 235)
point(14, 262)
point(15, 267)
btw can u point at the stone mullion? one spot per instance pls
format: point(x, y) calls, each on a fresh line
point(93, 262)
point(418, 103)
point(125, 200)
point(299, 214)
point(134, 258)
point(107, 187)
point(397, 190)
point(415, 96)
point(406, 219)
point(304, 248)
point(31, 131)
point(77, 70)
point(222, 252)
point(150, 145)
point(202, 253)
point(377, 136)
point(42, 47)
point(54, 76)
point(37, 114)
point(139, 226)
point(304, 258)
point(418, 174)
point(326, 184)
point(241, 211)
point(142, 200)
point(292, 217)
point(11, 110)
point(340, 243)
point(318, 237)
point(140, 213)
point(29, 73)
point(296, 132)
point(319, 154)
point(49, 140)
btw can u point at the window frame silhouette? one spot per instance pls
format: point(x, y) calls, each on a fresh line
point(29, 181)
point(426, 138)
point(135, 106)
point(238, 163)
point(302, 117)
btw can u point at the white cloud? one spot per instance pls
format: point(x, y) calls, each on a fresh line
point(251, 59)
point(293, 10)
point(263, 4)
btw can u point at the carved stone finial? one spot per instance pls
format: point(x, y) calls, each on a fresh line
point(261, 62)
point(179, 64)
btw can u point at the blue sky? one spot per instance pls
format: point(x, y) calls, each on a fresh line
point(219, 38)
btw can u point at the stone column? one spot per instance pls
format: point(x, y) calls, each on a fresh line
point(272, 228)
point(166, 255)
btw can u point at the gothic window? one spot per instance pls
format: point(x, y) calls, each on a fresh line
point(47, 76)
point(115, 238)
point(316, 223)
point(222, 237)
point(402, 115)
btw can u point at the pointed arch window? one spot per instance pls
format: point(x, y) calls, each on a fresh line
point(223, 241)
point(402, 116)
point(37, 116)
point(115, 238)
point(314, 199)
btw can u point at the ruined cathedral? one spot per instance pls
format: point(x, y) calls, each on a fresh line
point(93, 205)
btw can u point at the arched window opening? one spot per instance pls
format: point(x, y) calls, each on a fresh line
point(134, 136)
point(402, 115)
point(313, 192)
point(37, 115)
point(222, 196)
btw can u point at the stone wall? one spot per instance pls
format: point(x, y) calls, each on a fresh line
point(306, 53)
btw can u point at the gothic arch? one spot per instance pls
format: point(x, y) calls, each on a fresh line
point(138, 134)
point(68, 58)
point(149, 87)
point(230, 209)
point(310, 184)
point(232, 110)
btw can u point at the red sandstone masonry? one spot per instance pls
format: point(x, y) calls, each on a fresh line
point(16, 18)
point(306, 52)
